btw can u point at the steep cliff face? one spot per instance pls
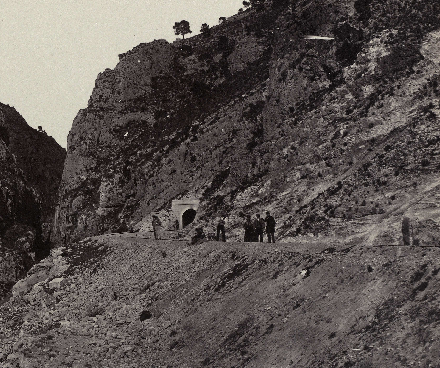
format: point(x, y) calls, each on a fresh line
point(20, 219)
point(38, 155)
point(30, 171)
point(329, 135)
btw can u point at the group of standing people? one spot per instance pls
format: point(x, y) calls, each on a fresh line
point(254, 228)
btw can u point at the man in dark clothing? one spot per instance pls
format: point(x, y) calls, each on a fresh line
point(259, 228)
point(270, 227)
point(406, 231)
point(221, 229)
point(248, 229)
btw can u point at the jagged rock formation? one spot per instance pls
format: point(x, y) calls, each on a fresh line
point(30, 171)
point(20, 222)
point(331, 136)
point(38, 155)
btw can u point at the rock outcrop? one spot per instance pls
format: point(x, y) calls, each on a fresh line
point(20, 222)
point(38, 155)
point(332, 136)
point(30, 171)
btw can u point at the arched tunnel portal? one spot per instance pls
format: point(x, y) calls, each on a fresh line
point(188, 216)
point(185, 211)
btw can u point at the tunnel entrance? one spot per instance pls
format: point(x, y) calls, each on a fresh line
point(185, 210)
point(188, 217)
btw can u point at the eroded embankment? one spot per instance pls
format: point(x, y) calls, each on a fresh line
point(128, 302)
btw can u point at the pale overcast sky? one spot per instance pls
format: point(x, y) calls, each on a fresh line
point(52, 50)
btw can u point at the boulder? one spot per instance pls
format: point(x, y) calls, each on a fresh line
point(57, 283)
point(25, 285)
point(59, 267)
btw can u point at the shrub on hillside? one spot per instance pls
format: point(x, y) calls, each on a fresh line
point(401, 59)
point(205, 30)
point(425, 162)
point(350, 42)
point(256, 138)
point(362, 7)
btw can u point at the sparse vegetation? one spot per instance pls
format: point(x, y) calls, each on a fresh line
point(255, 4)
point(205, 30)
point(182, 28)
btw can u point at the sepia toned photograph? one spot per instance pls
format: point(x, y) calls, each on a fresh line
point(220, 184)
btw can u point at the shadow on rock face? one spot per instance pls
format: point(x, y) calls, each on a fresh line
point(20, 248)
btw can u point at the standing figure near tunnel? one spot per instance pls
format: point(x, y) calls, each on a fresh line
point(221, 229)
point(259, 228)
point(157, 225)
point(406, 230)
point(270, 227)
point(248, 229)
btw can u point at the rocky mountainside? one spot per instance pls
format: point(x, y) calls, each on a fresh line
point(123, 301)
point(333, 136)
point(338, 138)
point(30, 172)
point(38, 155)
point(20, 221)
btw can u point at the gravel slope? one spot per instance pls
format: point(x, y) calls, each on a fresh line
point(125, 301)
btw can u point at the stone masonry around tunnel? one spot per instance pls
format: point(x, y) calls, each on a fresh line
point(185, 210)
